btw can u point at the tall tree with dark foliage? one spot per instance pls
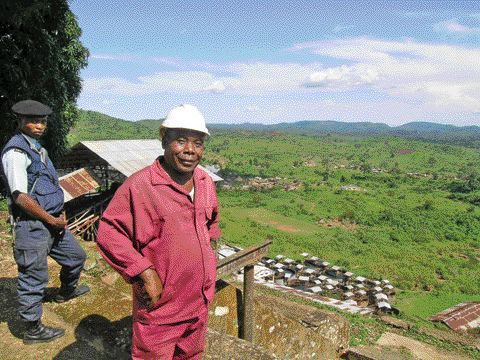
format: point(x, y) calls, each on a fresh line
point(40, 58)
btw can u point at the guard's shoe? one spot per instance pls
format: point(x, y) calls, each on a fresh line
point(39, 333)
point(65, 295)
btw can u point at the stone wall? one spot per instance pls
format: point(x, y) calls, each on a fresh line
point(285, 329)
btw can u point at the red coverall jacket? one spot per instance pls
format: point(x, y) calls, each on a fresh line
point(152, 222)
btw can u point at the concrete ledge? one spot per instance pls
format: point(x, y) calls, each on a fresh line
point(285, 329)
point(221, 346)
point(376, 353)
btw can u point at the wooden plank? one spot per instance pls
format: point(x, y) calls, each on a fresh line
point(248, 309)
point(242, 258)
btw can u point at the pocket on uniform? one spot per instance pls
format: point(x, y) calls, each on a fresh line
point(30, 259)
point(38, 233)
point(31, 234)
point(209, 213)
point(166, 296)
point(44, 186)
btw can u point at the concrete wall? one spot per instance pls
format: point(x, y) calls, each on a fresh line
point(286, 329)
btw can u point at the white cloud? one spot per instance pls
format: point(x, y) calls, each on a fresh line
point(114, 57)
point(180, 82)
point(138, 59)
point(253, 108)
point(246, 79)
point(342, 77)
point(265, 78)
point(440, 75)
point(444, 78)
point(167, 60)
point(453, 26)
point(216, 87)
point(340, 28)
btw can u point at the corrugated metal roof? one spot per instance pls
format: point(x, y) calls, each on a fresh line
point(461, 316)
point(78, 183)
point(129, 156)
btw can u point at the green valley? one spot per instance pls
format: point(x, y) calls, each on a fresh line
point(382, 206)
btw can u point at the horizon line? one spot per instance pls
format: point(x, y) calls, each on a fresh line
point(297, 121)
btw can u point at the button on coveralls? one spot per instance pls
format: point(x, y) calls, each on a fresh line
point(152, 222)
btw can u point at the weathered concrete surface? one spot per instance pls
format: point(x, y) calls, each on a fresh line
point(221, 346)
point(98, 325)
point(288, 330)
point(223, 312)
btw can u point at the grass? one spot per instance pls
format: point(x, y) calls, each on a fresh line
point(400, 242)
point(3, 205)
point(366, 330)
point(413, 230)
point(405, 228)
point(272, 220)
point(424, 305)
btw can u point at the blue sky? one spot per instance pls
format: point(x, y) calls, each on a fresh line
point(283, 61)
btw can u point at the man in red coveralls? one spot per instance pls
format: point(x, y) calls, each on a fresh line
point(156, 233)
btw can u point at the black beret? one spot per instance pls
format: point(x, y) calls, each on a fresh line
point(31, 108)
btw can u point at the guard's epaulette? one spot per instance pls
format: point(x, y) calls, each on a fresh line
point(19, 150)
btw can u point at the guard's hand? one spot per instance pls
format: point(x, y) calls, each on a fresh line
point(151, 287)
point(59, 223)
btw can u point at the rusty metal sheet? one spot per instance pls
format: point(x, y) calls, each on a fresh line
point(461, 316)
point(78, 183)
point(242, 258)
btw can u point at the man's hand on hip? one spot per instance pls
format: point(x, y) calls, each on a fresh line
point(58, 223)
point(152, 287)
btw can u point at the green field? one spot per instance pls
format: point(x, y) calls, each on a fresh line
point(415, 220)
point(410, 229)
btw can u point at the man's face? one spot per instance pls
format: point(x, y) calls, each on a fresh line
point(183, 149)
point(33, 126)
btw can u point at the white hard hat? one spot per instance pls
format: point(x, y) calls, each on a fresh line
point(185, 116)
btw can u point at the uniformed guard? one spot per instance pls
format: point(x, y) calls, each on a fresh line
point(39, 224)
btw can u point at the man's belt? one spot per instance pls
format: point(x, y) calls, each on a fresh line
point(24, 217)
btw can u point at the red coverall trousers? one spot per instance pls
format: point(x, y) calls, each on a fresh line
point(182, 340)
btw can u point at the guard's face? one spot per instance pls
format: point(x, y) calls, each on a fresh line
point(33, 126)
point(183, 149)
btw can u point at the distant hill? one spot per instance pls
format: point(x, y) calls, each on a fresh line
point(458, 135)
point(152, 124)
point(338, 127)
point(312, 127)
point(93, 125)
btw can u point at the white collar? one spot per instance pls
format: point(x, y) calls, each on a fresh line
point(30, 140)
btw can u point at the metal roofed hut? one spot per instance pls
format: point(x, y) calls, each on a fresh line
point(122, 156)
point(110, 162)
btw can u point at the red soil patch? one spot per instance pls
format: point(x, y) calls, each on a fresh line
point(337, 223)
point(287, 228)
point(405, 151)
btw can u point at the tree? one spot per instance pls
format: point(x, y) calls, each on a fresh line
point(40, 58)
point(365, 167)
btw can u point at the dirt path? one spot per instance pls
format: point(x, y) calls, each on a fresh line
point(419, 350)
point(77, 317)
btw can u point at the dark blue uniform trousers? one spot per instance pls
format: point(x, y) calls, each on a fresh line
point(33, 243)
